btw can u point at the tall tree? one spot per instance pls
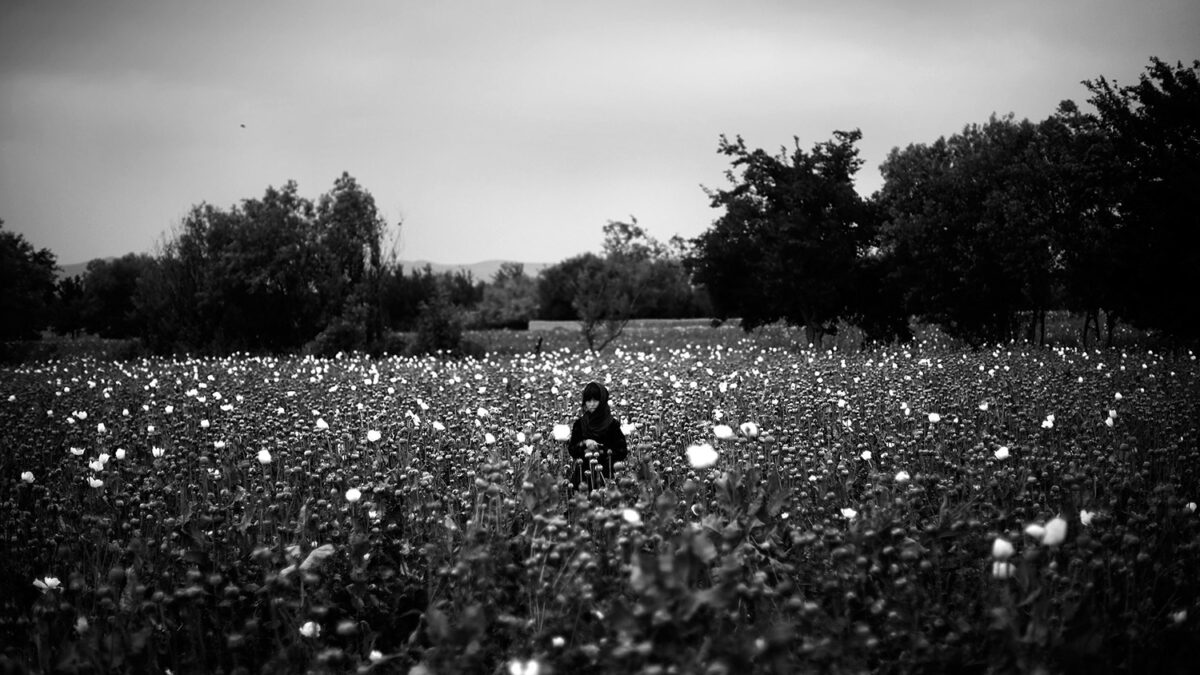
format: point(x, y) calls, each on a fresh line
point(607, 291)
point(664, 288)
point(637, 277)
point(510, 301)
point(557, 285)
point(268, 274)
point(69, 306)
point(250, 277)
point(108, 296)
point(349, 233)
point(792, 231)
point(270, 285)
point(1083, 176)
point(27, 285)
point(1155, 129)
point(968, 228)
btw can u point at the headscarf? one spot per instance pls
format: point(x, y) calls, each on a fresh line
point(597, 422)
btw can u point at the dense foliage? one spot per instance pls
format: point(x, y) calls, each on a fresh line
point(969, 227)
point(981, 232)
point(1153, 128)
point(787, 246)
point(923, 510)
point(26, 287)
point(634, 277)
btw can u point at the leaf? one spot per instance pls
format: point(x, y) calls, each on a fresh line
point(302, 519)
point(776, 497)
point(703, 548)
point(732, 532)
point(316, 557)
point(439, 627)
point(637, 578)
point(1028, 600)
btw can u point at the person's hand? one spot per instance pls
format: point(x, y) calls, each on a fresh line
point(590, 444)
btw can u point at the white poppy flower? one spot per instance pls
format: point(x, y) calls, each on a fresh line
point(1002, 549)
point(47, 583)
point(1056, 532)
point(562, 432)
point(701, 456)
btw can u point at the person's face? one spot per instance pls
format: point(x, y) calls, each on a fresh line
point(591, 404)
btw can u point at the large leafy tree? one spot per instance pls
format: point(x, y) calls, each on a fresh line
point(510, 300)
point(968, 228)
point(636, 277)
point(69, 306)
point(1082, 174)
point(268, 285)
point(1154, 127)
point(609, 289)
point(267, 274)
point(792, 232)
point(109, 286)
point(349, 232)
point(27, 286)
point(557, 285)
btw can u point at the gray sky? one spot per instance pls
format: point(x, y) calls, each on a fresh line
point(509, 130)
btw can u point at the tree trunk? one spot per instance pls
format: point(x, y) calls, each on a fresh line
point(1091, 319)
point(813, 333)
point(1036, 329)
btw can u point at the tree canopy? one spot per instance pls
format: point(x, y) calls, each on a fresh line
point(788, 243)
point(27, 277)
point(982, 232)
point(1152, 178)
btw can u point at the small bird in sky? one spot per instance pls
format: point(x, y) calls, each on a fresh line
point(243, 126)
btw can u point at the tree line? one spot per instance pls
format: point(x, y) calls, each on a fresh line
point(981, 233)
point(283, 273)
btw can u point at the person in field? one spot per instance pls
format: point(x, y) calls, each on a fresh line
point(597, 441)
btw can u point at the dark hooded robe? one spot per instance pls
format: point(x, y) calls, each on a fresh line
point(603, 428)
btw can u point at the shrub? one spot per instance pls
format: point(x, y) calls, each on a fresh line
point(439, 327)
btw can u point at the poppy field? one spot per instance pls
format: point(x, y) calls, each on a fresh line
point(913, 509)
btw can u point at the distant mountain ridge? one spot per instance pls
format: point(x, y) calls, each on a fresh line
point(480, 271)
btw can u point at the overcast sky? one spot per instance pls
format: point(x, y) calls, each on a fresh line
point(509, 130)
